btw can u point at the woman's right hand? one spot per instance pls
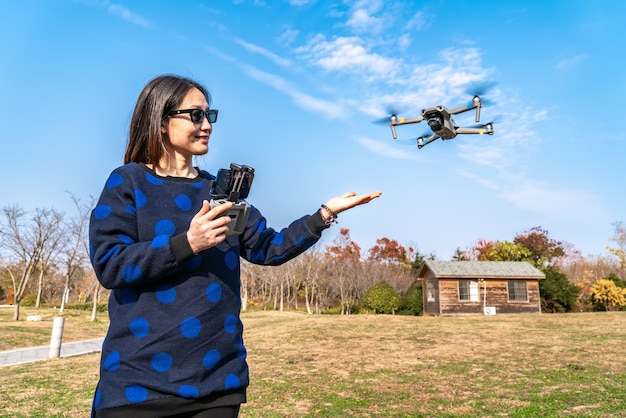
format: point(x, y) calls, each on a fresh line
point(208, 228)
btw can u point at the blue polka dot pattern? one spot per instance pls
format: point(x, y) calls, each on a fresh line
point(242, 353)
point(214, 292)
point(101, 212)
point(140, 327)
point(164, 332)
point(162, 362)
point(140, 198)
point(278, 239)
point(187, 391)
point(232, 260)
point(112, 252)
point(153, 180)
point(164, 227)
point(126, 239)
point(190, 327)
point(260, 226)
point(211, 359)
point(257, 256)
point(166, 293)
point(136, 393)
point(160, 241)
point(112, 362)
point(230, 323)
point(232, 382)
point(114, 180)
point(183, 202)
point(131, 273)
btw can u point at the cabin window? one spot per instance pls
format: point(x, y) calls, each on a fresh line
point(517, 291)
point(430, 291)
point(468, 290)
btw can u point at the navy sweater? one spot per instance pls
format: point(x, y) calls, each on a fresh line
point(175, 329)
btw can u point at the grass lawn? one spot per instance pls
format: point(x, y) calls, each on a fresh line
point(375, 366)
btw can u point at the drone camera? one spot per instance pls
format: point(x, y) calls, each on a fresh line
point(435, 120)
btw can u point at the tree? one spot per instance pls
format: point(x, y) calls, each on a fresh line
point(557, 293)
point(75, 253)
point(389, 251)
point(544, 251)
point(485, 250)
point(418, 262)
point(342, 260)
point(413, 302)
point(607, 296)
point(459, 255)
point(619, 250)
point(24, 243)
point(382, 298)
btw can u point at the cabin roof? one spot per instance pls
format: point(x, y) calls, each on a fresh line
point(482, 269)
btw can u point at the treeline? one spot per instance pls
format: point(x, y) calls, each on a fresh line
point(44, 258)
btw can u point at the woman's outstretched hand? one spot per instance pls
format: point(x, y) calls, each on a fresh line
point(349, 200)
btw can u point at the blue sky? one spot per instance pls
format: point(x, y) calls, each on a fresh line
point(298, 84)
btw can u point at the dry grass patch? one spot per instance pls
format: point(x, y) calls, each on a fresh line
point(23, 333)
point(390, 366)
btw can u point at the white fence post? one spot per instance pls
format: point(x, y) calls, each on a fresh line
point(57, 337)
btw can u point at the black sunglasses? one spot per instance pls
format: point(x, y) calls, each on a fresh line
point(197, 115)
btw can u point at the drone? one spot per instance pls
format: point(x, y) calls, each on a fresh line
point(441, 122)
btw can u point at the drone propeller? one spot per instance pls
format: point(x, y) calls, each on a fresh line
point(391, 111)
point(480, 88)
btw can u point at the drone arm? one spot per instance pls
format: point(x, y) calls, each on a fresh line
point(395, 121)
point(406, 121)
point(422, 143)
point(461, 109)
point(487, 129)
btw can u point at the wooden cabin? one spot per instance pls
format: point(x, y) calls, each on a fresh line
point(480, 287)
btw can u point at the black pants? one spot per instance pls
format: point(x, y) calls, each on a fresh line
point(217, 412)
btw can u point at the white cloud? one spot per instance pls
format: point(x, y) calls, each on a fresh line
point(255, 49)
point(417, 22)
point(559, 203)
point(347, 55)
point(127, 15)
point(570, 62)
point(362, 19)
point(331, 110)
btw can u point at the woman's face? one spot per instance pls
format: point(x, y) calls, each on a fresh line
point(184, 138)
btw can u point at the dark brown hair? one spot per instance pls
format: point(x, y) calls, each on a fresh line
point(160, 96)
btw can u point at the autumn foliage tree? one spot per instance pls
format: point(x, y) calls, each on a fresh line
point(485, 250)
point(607, 295)
point(389, 251)
point(343, 259)
point(544, 251)
point(618, 249)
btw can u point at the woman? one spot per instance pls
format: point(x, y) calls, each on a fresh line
point(174, 345)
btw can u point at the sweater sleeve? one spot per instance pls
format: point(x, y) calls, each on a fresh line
point(120, 259)
point(266, 246)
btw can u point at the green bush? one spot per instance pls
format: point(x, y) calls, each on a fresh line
point(413, 302)
point(30, 300)
point(382, 298)
point(557, 293)
point(86, 306)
